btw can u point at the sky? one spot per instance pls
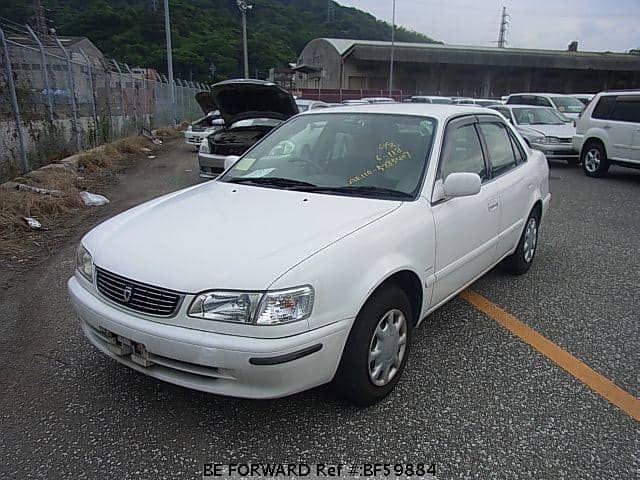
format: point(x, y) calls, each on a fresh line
point(598, 25)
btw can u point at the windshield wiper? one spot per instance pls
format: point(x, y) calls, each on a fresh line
point(368, 190)
point(273, 181)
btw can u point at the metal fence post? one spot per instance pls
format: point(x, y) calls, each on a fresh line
point(135, 95)
point(93, 98)
point(14, 101)
point(122, 104)
point(45, 72)
point(72, 94)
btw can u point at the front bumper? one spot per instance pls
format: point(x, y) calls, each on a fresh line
point(195, 138)
point(211, 362)
point(210, 165)
point(556, 150)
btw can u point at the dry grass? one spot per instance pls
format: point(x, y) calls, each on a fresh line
point(94, 168)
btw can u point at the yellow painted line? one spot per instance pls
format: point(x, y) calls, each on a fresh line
point(580, 370)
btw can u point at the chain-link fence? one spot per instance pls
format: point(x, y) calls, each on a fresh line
point(59, 96)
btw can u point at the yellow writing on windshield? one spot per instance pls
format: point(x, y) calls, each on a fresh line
point(388, 156)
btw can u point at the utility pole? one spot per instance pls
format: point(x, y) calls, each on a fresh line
point(172, 89)
point(244, 6)
point(504, 25)
point(40, 18)
point(393, 47)
point(331, 12)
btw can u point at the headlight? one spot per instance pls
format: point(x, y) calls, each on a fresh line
point(551, 140)
point(226, 306)
point(285, 306)
point(204, 146)
point(84, 263)
point(270, 308)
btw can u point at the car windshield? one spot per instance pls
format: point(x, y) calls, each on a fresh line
point(538, 116)
point(371, 155)
point(442, 101)
point(303, 106)
point(568, 104)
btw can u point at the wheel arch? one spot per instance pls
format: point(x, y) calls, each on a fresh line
point(591, 140)
point(410, 283)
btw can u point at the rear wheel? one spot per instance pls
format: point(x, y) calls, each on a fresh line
point(377, 348)
point(520, 261)
point(594, 160)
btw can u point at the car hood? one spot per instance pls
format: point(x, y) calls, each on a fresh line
point(241, 99)
point(226, 236)
point(562, 131)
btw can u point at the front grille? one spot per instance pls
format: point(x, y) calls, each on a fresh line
point(197, 128)
point(227, 149)
point(136, 295)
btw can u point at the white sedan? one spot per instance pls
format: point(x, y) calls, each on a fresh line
point(315, 255)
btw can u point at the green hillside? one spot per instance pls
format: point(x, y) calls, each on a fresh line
point(206, 32)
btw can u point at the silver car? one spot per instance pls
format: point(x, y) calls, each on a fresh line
point(544, 129)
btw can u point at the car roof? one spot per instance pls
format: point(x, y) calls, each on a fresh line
point(620, 92)
point(543, 94)
point(517, 105)
point(437, 111)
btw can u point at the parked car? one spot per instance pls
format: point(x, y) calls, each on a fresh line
point(316, 254)
point(608, 132)
point(355, 102)
point(378, 100)
point(585, 98)
point(567, 105)
point(203, 127)
point(544, 129)
point(431, 99)
point(304, 105)
point(250, 109)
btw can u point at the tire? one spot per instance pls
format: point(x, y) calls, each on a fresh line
point(573, 161)
point(594, 160)
point(520, 261)
point(355, 381)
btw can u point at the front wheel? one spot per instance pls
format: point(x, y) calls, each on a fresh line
point(520, 261)
point(377, 348)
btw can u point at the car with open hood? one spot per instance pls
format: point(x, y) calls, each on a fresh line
point(203, 127)
point(250, 109)
point(316, 254)
point(544, 129)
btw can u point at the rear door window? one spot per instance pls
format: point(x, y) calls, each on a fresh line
point(543, 102)
point(499, 148)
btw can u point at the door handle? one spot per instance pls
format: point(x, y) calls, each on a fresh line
point(493, 205)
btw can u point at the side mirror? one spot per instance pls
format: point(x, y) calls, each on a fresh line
point(462, 184)
point(230, 160)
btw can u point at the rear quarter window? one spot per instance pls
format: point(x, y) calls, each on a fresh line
point(603, 108)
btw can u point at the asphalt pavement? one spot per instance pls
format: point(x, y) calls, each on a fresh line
point(476, 400)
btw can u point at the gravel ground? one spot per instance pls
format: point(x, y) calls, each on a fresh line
point(474, 399)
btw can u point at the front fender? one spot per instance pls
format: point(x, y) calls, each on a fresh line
point(346, 273)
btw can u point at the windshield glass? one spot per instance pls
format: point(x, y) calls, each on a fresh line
point(442, 101)
point(568, 104)
point(375, 155)
point(538, 116)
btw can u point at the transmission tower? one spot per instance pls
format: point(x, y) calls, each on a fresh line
point(331, 12)
point(39, 18)
point(504, 26)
